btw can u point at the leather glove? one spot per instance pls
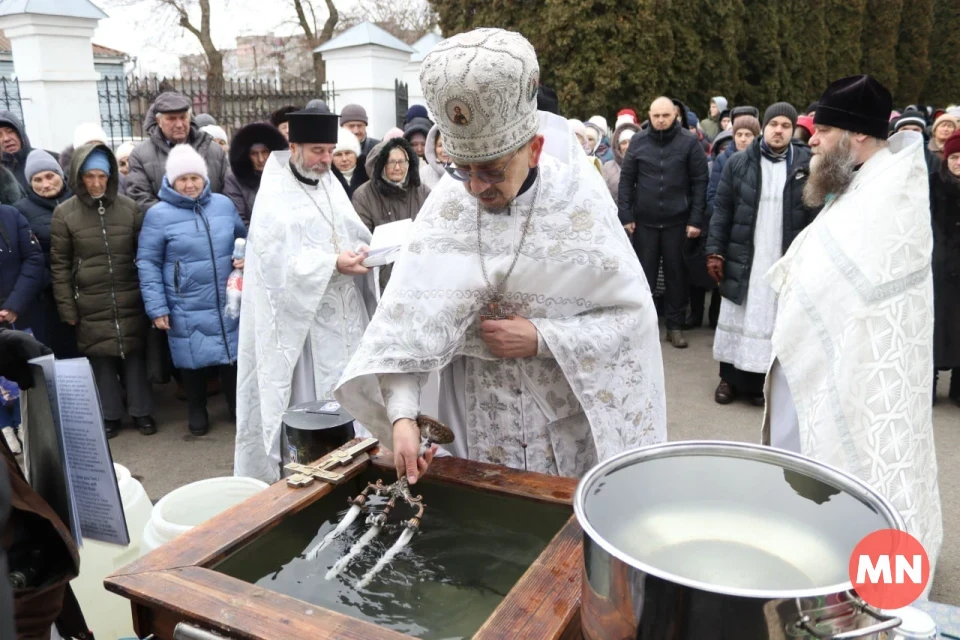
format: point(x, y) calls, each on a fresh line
point(715, 268)
point(16, 348)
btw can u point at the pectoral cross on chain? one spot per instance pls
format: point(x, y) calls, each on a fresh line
point(497, 309)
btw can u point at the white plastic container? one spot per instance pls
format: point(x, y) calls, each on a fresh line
point(917, 625)
point(193, 504)
point(109, 615)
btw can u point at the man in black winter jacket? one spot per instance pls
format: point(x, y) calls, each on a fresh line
point(757, 214)
point(663, 193)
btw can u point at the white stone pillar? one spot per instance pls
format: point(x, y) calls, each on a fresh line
point(363, 64)
point(53, 60)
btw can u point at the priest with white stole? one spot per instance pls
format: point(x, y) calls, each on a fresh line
point(853, 341)
point(306, 296)
point(517, 284)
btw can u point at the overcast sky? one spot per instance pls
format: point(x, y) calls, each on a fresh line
point(152, 35)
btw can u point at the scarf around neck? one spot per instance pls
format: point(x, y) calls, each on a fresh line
point(772, 156)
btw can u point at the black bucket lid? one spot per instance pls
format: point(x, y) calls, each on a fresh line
point(316, 416)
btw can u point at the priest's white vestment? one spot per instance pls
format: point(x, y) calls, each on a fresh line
point(854, 337)
point(595, 387)
point(300, 318)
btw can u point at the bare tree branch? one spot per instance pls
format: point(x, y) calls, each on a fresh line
point(408, 20)
point(328, 26)
point(302, 18)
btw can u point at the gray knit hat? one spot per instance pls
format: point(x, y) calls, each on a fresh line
point(353, 113)
point(39, 160)
point(780, 109)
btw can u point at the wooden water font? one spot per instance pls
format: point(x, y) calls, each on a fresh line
point(499, 546)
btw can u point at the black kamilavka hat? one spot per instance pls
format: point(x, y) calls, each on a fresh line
point(312, 126)
point(856, 103)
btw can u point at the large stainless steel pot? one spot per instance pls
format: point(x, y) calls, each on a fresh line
point(704, 540)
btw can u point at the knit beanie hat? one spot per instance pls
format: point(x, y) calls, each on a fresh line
point(951, 146)
point(626, 135)
point(780, 109)
point(692, 119)
point(396, 132)
point(416, 111)
point(204, 120)
point(910, 116)
point(626, 115)
point(38, 161)
point(354, 113)
point(946, 117)
point(124, 150)
point(747, 122)
point(97, 159)
point(183, 160)
point(346, 141)
point(215, 132)
point(88, 132)
point(601, 123)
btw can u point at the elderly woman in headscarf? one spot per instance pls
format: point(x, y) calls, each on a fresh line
point(437, 160)
point(394, 191)
point(621, 140)
point(416, 132)
point(346, 158)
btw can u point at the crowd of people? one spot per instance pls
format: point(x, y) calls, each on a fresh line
point(709, 204)
point(103, 248)
point(545, 249)
point(718, 220)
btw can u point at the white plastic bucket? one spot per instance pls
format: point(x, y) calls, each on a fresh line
point(108, 615)
point(193, 504)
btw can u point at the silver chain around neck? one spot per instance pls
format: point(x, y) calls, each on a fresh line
point(496, 293)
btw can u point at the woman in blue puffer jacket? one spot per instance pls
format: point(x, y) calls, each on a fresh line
point(184, 258)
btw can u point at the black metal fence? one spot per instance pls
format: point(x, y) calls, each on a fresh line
point(124, 102)
point(10, 97)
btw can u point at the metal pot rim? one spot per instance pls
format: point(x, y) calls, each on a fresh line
point(786, 459)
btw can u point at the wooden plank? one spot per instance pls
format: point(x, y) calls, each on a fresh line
point(217, 538)
point(493, 478)
point(545, 603)
point(236, 609)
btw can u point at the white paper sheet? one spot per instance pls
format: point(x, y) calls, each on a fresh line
point(387, 242)
point(90, 468)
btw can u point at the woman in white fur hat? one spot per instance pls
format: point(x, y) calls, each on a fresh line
point(184, 257)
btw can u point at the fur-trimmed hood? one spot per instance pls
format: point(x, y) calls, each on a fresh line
point(9, 187)
point(243, 140)
point(378, 161)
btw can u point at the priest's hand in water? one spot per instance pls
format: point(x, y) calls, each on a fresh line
point(348, 263)
point(516, 338)
point(406, 450)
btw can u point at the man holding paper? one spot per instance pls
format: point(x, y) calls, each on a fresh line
point(306, 296)
point(517, 284)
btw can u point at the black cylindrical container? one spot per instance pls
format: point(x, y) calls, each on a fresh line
point(312, 430)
